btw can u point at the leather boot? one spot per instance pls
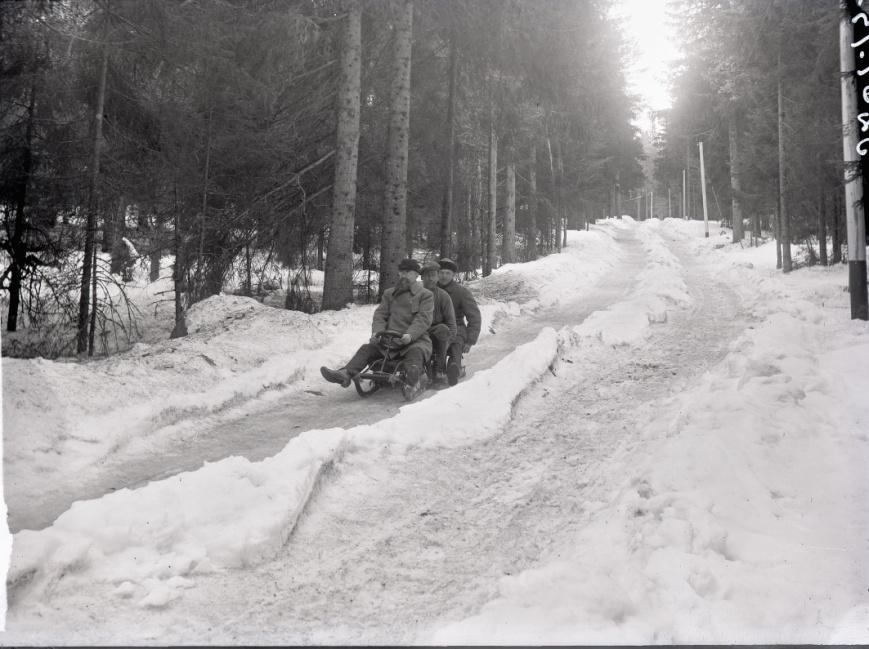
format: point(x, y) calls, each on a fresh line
point(341, 376)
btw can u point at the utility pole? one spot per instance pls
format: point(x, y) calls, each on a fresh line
point(689, 195)
point(669, 204)
point(685, 194)
point(784, 228)
point(703, 188)
point(652, 204)
point(853, 178)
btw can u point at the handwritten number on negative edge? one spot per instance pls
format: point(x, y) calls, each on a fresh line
point(862, 40)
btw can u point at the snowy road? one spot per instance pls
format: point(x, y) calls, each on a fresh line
point(425, 540)
point(665, 444)
point(390, 547)
point(262, 429)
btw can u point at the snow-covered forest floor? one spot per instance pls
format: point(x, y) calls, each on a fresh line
point(661, 439)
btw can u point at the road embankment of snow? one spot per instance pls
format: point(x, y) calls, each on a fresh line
point(741, 516)
point(150, 543)
point(61, 416)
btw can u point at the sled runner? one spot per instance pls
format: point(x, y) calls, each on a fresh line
point(389, 370)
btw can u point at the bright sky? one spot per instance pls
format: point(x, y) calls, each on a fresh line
point(644, 23)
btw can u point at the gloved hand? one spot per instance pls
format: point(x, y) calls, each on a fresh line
point(405, 339)
point(466, 348)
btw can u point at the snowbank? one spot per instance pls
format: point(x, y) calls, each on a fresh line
point(148, 543)
point(234, 512)
point(516, 289)
point(237, 350)
point(745, 493)
point(660, 285)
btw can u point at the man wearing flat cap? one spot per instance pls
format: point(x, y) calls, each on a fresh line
point(443, 323)
point(468, 319)
point(407, 308)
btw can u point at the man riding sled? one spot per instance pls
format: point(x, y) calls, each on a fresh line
point(407, 309)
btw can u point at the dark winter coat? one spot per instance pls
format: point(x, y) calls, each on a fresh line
point(468, 320)
point(443, 310)
point(406, 311)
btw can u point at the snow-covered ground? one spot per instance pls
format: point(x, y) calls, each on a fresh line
point(731, 511)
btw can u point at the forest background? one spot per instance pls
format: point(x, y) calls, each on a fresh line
point(247, 144)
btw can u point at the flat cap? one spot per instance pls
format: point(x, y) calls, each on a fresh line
point(408, 264)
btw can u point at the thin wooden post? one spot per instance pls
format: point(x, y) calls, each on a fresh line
point(703, 188)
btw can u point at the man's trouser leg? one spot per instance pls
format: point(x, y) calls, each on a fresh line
point(454, 360)
point(413, 359)
point(363, 356)
point(440, 341)
point(454, 354)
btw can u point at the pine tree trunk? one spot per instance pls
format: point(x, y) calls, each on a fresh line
point(90, 232)
point(618, 195)
point(119, 251)
point(822, 228)
point(180, 328)
point(199, 290)
point(447, 207)
point(108, 232)
point(395, 196)
point(477, 251)
point(562, 203)
point(338, 278)
point(555, 165)
point(532, 204)
point(508, 244)
point(777, 234)
point(559, 217)
point(92, 327)
point(552, 198)
point(837, 230)
point(784, 218)
point(490, 261)
point(755, 226)
point(366, 260)
point(156, 251)
point(18, 243)
point(463, 235)
point(735, 183)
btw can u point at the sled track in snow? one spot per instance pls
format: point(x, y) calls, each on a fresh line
point(262, 428)
point(389, 544)
point(388, 547)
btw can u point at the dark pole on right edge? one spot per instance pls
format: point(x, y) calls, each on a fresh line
point(853, 178)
